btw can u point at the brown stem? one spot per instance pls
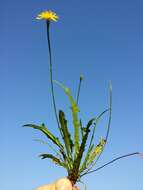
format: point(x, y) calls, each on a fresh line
point(73, 178)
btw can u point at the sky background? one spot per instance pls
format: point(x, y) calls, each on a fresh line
point(103, 40)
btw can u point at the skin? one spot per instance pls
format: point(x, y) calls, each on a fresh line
point(61, 184)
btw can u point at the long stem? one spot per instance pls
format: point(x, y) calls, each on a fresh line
point(108, 129)
point(109, 121)
point(95, 124)
point(51, 74)
point(118, 158)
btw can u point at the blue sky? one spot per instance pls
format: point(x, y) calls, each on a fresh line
point(100, 39)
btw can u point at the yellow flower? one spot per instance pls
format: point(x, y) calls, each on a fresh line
point(47, 15)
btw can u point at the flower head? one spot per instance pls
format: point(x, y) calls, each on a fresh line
point(47, 15)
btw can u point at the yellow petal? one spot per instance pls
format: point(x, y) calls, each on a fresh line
point(47, 15)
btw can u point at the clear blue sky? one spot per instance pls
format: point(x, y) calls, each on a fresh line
point(103, 40)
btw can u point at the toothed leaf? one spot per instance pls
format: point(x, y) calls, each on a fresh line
point(54, 159)
point(75, 111)
point(66, 134)
point(77, 161)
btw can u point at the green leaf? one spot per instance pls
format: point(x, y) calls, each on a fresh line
point(83, 166)
point(49, 135)
point(75, 111)
point(51, 147)
point(96, 151)
point(81, 128)
point(77, 161)
point(91, 146)
point(97, 119)
point(54, 159)
point(44, 130)
point(66, 134)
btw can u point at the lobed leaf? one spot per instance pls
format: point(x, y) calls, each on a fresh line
point(66, 136)
point(54, 159)
point(75, 111)
point(77, 161)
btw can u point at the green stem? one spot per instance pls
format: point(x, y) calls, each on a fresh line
point(108, 128)
point(95, 124)
point(51, 74)
point(118, 158)
point(109, 121)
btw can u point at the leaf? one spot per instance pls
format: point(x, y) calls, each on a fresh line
point(50, 136)
point(81, 128)
point(83, 167)
point(91, 146)
point(75, 111)
point(44, 130)
point(51, 147)
point(66, 134)
point(54, 159)
point(97, 119)
point(96, 151)
point(77, 161)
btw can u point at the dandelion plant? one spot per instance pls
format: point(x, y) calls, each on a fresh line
point(76, 152)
